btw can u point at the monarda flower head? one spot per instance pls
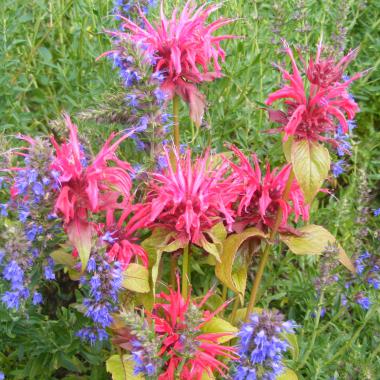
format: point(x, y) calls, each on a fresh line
point(95, 187)
point(315, 109)
point(261, 197)
point(187, 352)
point(120, 236)
point(190, 197)
point(184, 48)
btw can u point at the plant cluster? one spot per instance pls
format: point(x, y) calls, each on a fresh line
point(131, 242)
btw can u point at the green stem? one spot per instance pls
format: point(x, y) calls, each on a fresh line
point(176, 139)
point(122, 363)
point(351, 341)
point(176, 136)
point(224, 293)
point(315, 332)
point(265, 255)
point(224, 297)
point(173, 271)
point(257, 280)
point(235, 309)
point(185, 272)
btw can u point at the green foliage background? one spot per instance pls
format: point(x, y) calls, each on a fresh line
point(47, 64)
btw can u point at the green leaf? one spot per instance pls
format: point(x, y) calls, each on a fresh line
point(212, 303)
point(241, 313)
point(61, 256)
point(121, 370)
point(146, 299)
point(293, 342)
point(74, 274)
point(233, 268)
point(154, 245)
point(311, 164)
point(217, 235)
point(206, 376)
point(220, 325)
point(212, 249)
point(288, 375)
point(136, 278)
point(80, 235)
point(287, 148)
point(313, 241)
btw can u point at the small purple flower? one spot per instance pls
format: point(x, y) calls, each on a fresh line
point(140, 145)
point(376, 212)
point(159, 76)
point(132, 100)
point(107, 237)
point(91, 265)
point(37, 298)
point(49, 270)
point(104, 280)
point(11, 300)
point(23, 213)
point(351, 125)
point(160, 95)
point(4, 209)
point(262, 346)
point(33, 231)
point(363, 301)
point(13, 273)
point(162, 163)
point(338, 168)
point(91, 335)
point(38, 188)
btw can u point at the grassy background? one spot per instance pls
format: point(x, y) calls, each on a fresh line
point(47, 64)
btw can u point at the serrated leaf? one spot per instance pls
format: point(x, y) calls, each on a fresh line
point(136, 278)
point(233, 268)
point(313, 241)
point(80, 234)
point(311, 164)
point(220, 325)
point(121, 370)
point(288, 375)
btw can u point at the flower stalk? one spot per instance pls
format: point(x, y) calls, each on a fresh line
point(266, 252)
point(176, 139)
point(185, 272)
point(176, 121)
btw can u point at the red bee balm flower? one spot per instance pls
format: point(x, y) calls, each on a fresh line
point(189, 198)
point(184, 48)
point(261, 197)
point(178, 323)
point(314, 114)
point(122, 242)
point(95, 187)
